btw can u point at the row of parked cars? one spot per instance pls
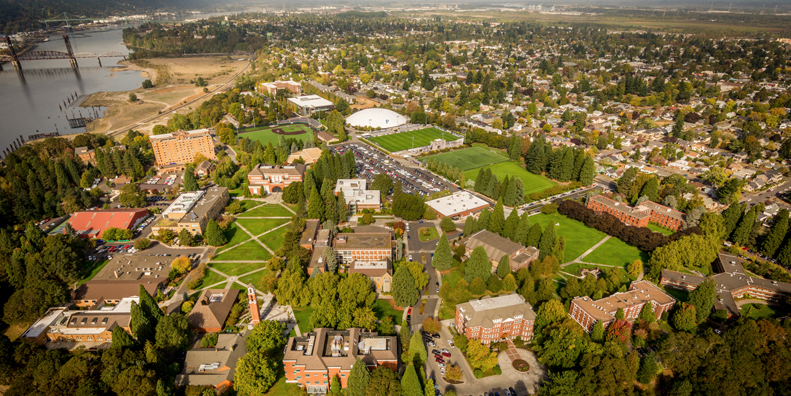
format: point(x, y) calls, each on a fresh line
point(508, 392)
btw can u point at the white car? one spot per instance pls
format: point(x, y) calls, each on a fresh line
point(450, 344)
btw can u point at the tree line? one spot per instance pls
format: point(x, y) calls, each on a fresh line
point(563, 164)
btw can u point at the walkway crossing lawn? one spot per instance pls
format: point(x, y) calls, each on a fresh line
point(265, 134)
point(260, 226)
point(249, 204)
point(251, 250)
point(579, 237)
point(533, 183)
point(303, 318)
point(234, 269)
point(234, 235)
point(383, 308)
point(470, 158)
point(273, 239)
point(656, 228)
point(403, 141)
point(255, 277)
point(211, 278)
point(616, 252)
point(269, 210)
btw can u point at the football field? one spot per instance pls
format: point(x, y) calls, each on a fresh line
point(469, 158)
point(403, 141)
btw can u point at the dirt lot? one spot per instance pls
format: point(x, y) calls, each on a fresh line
point(215, 70)
point(363, 102)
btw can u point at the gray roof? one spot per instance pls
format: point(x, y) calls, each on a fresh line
point(486, 311)
point(345, 241)
point(496, 246)
point(209, 313)
point(212, 366)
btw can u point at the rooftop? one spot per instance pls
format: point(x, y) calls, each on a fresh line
point(188, 134)
point(639, 292)
point(457, 203)
point(490, 310)
point(213, 196)
point(345, 241)
point(495, 246)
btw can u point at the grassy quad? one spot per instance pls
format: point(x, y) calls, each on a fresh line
point(303, 318)
point(268, 210)
point(234, 235)
point(250, 250)
point(533, 183)
point(470, 158)
point(760, 311)
point(234, 269)
point(212, 278)
point(579, 237)
point(260, 226)
point(273, 239)
point(616, 252)
point(403, 141)
point(265, 134)
point(254, 278)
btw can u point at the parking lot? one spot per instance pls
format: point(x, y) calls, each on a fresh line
point(371, 162)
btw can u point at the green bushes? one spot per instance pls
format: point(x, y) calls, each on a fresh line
point(554, 190)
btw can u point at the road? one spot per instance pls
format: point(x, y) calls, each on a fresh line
point(767, 195)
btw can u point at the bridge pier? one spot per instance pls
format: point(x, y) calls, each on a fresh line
point(72, 59)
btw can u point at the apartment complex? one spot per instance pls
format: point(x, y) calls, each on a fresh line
point(491, 319)
point(458, 205)
point(312, 360)
point(271, 88)
point(274, 178)
point(641, 215)
point(364, 247)
point(193, 210)
point(357, 194)
point(180, 147)
point(498, 247)
point(732, 282)
point(586, 311)
point(379, 272)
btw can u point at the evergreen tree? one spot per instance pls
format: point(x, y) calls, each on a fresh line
point(597, 335)
point(487, 174)
point(190, 184)
point(511, 223)
point(648, 368)
point(730, 217)
point(478, 187)
point(470, 226)
point(520, 192)
point(497, 221)
point(214, 235)
point(315, 205)
point(784, 255)
point(745, 227)
point(534, 158)
point(588, 172)
point(776, 235)
point(547, 241)
point(702, 298)
point(510, 195)
point(404, 291)
point(492, 188)
point(417, 350)
point(522, 228)
point(626, 180)
point(478, 265)
point(567, 166)
point(647, 313)
point(533, 236)
point(579, 159)
point(651, 189)
point(483, 219)
point(504, 267)
point(141, 327)
point(358, 379)
point(515, 147)
point(410, 384)
point(443, 255)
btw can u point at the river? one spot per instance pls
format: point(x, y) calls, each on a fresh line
point(29, 100)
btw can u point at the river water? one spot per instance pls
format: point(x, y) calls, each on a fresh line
point(29, 100)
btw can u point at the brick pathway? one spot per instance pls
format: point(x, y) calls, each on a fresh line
point(512, 353)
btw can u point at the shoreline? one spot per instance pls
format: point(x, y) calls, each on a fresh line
point(147, 72)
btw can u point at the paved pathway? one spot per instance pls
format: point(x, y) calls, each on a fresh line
point(523, 381)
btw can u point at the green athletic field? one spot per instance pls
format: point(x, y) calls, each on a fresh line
point(265, 134)
point(533, 183)
point(403, 141)
point(469, 158)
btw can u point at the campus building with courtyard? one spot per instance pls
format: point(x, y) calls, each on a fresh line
point(274, 178)
point(587, 311)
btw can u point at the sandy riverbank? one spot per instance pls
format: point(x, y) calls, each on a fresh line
point(147, 72)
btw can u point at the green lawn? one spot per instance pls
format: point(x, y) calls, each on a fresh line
point(234, 235)
point(233, 269)
point(210, 278)
point(678, 294)
point(656, 228)
point(470, 158)
point(273, 240)
point(93, 270)
point(248, 251)
point(579, 237)
point(616, 252)
point(432, 234)
point(760, 311)
point(303, 318)
point(265, 134)
point(403, 141)
point(574, 268)
point(533, 183)
point(269, 210)
point(382, 308)
point(260, 226)
point(254, 278)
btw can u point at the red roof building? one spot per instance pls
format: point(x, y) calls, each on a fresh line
point(92, 223)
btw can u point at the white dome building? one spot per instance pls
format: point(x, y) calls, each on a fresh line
point(376, 118)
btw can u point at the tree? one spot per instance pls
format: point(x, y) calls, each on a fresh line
point(684, 318)
point(447, 224)
point(132, 97)
point(588, 171)
point(173, 332)
point(359, 377)
point(626, 181)
point(443, 255)
point(132, 196)
point(548, 313)
point(533, 236)
point(635, 268)
point(504, 267)
point(702, 298)
point(776, 235)
point(384, 382)
point(478, 265)
point(190, 184)
point(547, 241)
point(410, 384)
point(651, 189)
point(480, 356)
point(417, 350)
point(404, 291)
point(214, 235)
point(470, 226)
point(497, 220)
point(511, 224)
point(648, 368)
point(745, 227)
point(315, 205)
point(597, 334)
point(432, 325)
point(509, 283)
point(255, 374)
point(181, 264)
point(647, 313)
point(142, 243)
point(266, 338)
point(730, 217)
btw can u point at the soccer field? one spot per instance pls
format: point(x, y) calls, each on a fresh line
point(469, 158)
point(533, 183)
point(403, 141)
point(267, 135)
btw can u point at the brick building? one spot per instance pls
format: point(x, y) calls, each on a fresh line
point(193, 210)
point(641, 215)
point(180, 147)
point(732, 282)
point(491, 319)
point(312, 360)
point(364, 246)
point(586, 311)
point(497, 247)
point(271, 88)
point(274, 178)
point(87, 156)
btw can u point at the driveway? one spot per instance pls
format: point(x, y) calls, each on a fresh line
point(415, 244)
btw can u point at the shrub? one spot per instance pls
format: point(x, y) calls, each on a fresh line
point(142, 243)
point(209, 340)
point(478, 373)
point(720, 315)
point(497, 370)
point(520, 365)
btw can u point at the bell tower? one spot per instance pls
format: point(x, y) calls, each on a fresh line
point(252, 302)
